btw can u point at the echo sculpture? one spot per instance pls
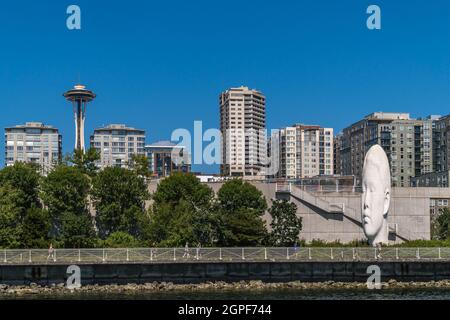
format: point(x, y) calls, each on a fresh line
point(376, 198)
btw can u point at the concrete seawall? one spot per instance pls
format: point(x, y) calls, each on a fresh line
point(229, 272)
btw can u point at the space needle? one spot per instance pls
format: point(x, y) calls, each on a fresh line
point(79, 96)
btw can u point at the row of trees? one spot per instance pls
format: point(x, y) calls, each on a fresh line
point(36, 210)
point(184, 210)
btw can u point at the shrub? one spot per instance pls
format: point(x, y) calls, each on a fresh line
point(120, 239)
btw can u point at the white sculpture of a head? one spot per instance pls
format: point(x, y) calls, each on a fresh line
point(376, 185)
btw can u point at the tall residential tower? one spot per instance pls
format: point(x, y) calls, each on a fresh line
point(243, 127)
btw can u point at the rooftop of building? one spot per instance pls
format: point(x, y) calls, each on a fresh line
point(380, 116)
point(163, 144)
point(32, 125)
point(308, 126)
point(434, 117)
point(388, 116)
point(114, 126)
point(242, 89)
point(443, 118)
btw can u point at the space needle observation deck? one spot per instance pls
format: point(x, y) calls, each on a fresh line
point(79, 96)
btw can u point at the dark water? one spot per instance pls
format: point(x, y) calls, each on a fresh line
point(284, 294)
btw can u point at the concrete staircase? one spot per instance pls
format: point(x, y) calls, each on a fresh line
point(322, 204)
point(335, 208)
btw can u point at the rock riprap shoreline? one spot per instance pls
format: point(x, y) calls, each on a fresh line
point(242, 286)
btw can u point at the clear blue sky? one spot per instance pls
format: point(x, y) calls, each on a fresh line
point(160, 65)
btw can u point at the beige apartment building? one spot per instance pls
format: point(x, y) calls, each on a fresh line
point(243, 124)
point(305, 151)
point(116, 144)
point(33, 142)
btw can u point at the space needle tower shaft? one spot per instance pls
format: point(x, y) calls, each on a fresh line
point(79, 96)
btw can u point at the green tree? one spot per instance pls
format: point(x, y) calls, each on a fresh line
point(238, 194)
point(120, 239)
point(182, 212)
point(182, 186)
point(139, 164)
point(11, 207)
point(65, 193)
point(31, 223)
point(242, 228)
point(241, 206)
point(175, 226)
point(77, 230)
point(162, 223)
point(25, 178)
point(36, 227)
point(443, 223)
point(119, 198)
point(285, 224)
point(85, 161)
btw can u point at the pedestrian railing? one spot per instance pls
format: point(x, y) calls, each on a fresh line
point(153, 255)
point(287, 187)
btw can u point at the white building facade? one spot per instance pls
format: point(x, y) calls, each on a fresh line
point(33, 142)
point(305, 151)
point(116, 144)
point(243, 128)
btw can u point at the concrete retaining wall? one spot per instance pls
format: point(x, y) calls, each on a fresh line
point(230, 272)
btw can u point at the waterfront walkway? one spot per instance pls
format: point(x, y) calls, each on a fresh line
point(201, 255)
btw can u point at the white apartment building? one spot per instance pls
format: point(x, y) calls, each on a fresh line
point(305, 151)
point(243, 125)
point(33, 142)
point(116, 144)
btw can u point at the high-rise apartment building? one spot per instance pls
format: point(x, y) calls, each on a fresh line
point(407, 142)
point(440, 177)
point(305, 151)
point(117, 143)
point(441, 144)
point(33, 142)
point(243, 127)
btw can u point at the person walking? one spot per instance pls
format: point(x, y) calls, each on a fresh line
point(378, 248)
point(51, 252)
point(186, 251)
point(152, 253)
